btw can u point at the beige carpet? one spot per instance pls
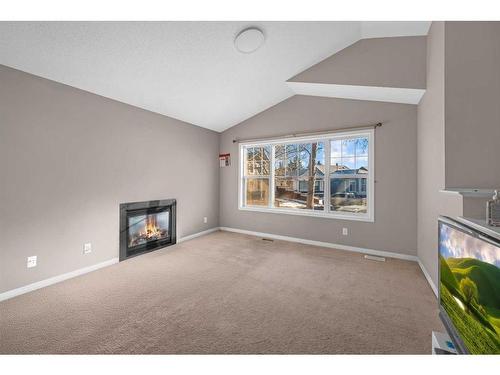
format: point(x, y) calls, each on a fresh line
point(229, 293)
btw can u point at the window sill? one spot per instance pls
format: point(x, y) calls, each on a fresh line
point(310, 213)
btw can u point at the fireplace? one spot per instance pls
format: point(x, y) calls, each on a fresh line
point(146, 226)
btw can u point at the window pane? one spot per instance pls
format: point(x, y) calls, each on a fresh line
point(249, 153)
point(291, 160)
point(348, 147)
point(336, 149)
point(304, 159)
point(266, 153)
point(311, 154)
point(362, 146)
point(336, 165)
point(265, 168)
point(299, 193)
point(348, 175)
point(248, 161)
point(286, 194)
point(349, 163)
point(348, 194)
point(257, 161)
point(362, 162)
point(279, 167)
point(320, 157)
point(257, 192)
point(257, 153)
point(249, 169)
point(279, 160)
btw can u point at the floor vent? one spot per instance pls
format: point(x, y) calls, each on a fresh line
point(268, 239)
point(376, 258)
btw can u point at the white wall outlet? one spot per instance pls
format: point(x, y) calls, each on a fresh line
point(345, 231)
point(87, 248)
point(31, 262)
point(205, 220)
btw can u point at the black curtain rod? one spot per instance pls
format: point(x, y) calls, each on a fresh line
point(373, 126)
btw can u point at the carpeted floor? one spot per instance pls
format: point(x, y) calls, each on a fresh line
point(229, 293)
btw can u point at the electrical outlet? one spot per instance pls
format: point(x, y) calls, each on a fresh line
point(31, 262)
point(87, 248)
point(345, 231)
point(205, 220)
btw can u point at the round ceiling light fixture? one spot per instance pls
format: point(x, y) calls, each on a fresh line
point(249, 40)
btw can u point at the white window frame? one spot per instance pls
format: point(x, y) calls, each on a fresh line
point(369, 216)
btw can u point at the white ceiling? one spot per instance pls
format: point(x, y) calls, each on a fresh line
point(187, 70)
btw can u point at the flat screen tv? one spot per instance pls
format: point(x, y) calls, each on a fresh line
point(469, 287)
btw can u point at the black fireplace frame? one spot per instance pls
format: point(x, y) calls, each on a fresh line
point(147, 207)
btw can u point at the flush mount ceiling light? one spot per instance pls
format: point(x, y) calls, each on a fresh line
point(249, 40)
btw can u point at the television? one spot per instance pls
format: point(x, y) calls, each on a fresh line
point(469, 287)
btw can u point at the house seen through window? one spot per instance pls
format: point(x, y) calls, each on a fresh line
point(328, 175)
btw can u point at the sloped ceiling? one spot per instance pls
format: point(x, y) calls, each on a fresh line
point(186, 70)
point(377, 69)
point(383, 62)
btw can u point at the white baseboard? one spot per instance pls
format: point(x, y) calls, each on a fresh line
point(428, 277)
point(56, 279)
point(191, 236)
point(387, 254)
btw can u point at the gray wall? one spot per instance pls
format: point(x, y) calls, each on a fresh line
point(431, 160)
point(385, 62)
point(474, 207)
point(394, 228)
point(458, 126)
point(68, 158)
point(472, 76)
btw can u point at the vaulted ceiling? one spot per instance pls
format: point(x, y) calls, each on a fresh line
point(187, 70)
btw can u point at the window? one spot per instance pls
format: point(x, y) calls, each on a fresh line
point(297, 171)
point(329, 176)
point(256, 176)
point(348, 172)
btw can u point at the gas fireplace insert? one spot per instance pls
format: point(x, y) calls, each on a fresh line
point(146, 226)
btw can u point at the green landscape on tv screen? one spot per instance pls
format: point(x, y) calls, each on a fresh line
point(470, 288)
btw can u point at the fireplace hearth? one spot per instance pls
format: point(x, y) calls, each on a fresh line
point(146, 226)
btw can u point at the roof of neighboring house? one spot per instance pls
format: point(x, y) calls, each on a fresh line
point(338, 169)
point(346, 170)
point(320, 171)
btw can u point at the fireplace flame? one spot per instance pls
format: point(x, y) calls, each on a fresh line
point(151, 230)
